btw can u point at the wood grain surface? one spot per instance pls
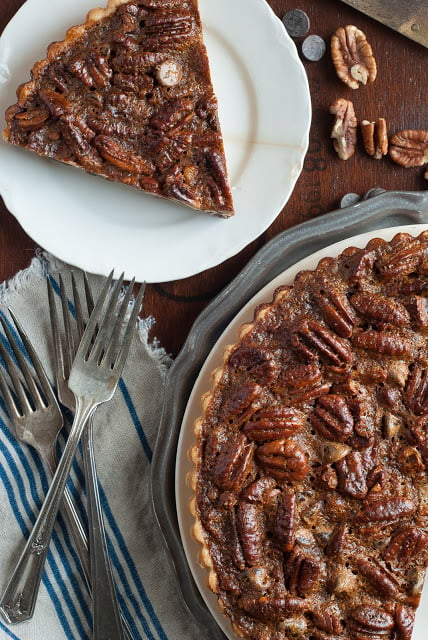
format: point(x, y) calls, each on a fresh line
point(399, 95)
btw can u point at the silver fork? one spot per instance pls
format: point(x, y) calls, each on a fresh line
point(105, 604)
point(94, 376)
point(37, 418)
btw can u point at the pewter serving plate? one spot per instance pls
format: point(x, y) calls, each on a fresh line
point(216, 326)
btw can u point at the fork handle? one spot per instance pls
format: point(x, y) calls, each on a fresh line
point(19, 599)
point(107, 621)
point(74, 522)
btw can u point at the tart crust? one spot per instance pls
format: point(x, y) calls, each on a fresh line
point(310, 455)
point(156, 129)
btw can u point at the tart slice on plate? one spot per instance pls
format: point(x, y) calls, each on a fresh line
point(128, 96)
point(310, 462)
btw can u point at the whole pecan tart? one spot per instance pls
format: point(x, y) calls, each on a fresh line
point(128, 96)
point(310, 481)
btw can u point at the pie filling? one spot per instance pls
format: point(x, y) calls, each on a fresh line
point(311, 496)
point(128, 96)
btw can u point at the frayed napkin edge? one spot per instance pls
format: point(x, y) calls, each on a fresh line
point(39, 267)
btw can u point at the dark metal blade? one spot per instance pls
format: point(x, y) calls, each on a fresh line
point(409, 17)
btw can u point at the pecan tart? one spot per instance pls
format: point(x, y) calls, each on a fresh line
point(310, 482)
point(128, 96)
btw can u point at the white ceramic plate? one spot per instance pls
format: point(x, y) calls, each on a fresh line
point(203, 384)
point(265, 115)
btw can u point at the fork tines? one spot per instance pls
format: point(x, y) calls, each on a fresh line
point(18, 403)
point(101, 340)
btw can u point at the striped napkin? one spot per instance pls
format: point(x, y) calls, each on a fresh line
point(125, 433)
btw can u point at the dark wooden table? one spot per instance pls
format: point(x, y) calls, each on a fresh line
point(399, 95)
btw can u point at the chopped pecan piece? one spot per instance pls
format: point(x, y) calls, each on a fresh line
point(375, 137)
point(409, 148)
point(344, 131)
point(168, 73)
point(353, 57)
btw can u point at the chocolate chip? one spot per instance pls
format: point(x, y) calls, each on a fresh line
point(313, 48)
point(296, 22)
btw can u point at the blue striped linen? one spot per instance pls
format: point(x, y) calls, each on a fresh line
point(125, 431)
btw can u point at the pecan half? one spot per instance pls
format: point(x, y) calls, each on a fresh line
point(284, 460)
point(94, 70)
point(284, 528)
point(416, 392)
point(167, 27)
point(378, 576)
point(406, 545)
point(401, 259)
point(269, 608)
point(112, 151)
point(317, 341)
point(241, 402)
point(352, 474)
point(337, 312)
point(369, 621)
point(375, 137)
point(344, 131)
point(332, 418)
point(303, 383)
point(382, 308)
point(233, 463)
point(251, 530)
point(404, 621)
point(274, 423)
point(302, 573)
point(32, 117)
point(409, 148)
point(385, 342)
point(353, 57)
point(387, 510)
point(328, 618)
point(258, 363)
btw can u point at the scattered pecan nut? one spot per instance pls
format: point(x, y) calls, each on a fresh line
point(409, 148)
point(375, 137)
point(344, 132)
point(352, 56)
